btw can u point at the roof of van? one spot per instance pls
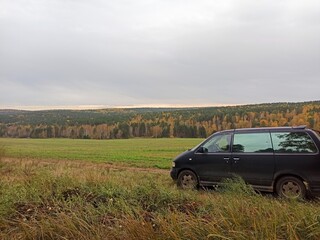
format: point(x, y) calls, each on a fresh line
point(302, 127)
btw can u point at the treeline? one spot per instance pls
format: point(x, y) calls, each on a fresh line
point(154, 122)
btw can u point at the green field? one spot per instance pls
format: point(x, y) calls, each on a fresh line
point(134, 152)
point(62, 189)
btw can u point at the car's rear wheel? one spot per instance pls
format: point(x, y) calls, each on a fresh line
point(291, 188)
point(187, 180)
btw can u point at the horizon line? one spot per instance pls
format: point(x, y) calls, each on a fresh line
point(101, 106)
point(97, 107)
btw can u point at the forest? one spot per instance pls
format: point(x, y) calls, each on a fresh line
point(115, 123)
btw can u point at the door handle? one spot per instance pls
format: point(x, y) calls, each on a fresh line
point(226, 159)
point(236, 159)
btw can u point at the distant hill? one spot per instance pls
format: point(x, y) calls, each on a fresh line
point(154, 122)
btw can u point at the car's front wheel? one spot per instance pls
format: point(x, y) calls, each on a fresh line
point(187, 180)
point(291, 188)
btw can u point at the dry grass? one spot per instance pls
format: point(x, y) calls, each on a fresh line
point(81, 200)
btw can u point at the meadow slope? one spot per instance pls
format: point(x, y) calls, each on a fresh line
point(56, 198)
point(139, 152)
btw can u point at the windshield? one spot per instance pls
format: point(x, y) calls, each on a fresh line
point(194, 148)
point(215, 140)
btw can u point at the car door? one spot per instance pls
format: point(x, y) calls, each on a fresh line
point(253, 158)
point(213, 158)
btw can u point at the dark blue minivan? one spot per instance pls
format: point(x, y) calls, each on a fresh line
point(284, 160)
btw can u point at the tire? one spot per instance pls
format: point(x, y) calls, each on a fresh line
point(291, 188)
point(187, 180)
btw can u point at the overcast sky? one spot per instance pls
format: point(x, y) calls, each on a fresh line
point(158, 52)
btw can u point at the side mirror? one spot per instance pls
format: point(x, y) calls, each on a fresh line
point(202, 150)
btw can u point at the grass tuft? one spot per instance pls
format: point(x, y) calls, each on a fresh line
point(236, 186)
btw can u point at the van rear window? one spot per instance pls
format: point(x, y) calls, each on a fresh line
point(292, 142)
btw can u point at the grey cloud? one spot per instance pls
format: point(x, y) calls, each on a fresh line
point(160, 52)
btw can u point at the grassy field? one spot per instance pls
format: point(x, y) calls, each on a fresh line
point(135, 152)
point(75, 196)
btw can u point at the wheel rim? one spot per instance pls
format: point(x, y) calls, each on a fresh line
point(188, 181)
point(291, 189)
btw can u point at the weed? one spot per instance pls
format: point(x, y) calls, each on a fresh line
point(236, 185)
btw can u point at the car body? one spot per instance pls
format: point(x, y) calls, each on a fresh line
point(285, 160)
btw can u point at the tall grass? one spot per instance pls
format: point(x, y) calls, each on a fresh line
point(70, 200)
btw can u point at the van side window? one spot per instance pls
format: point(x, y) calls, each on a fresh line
point(252, 142)
point(293, 142)
point(218, 143)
